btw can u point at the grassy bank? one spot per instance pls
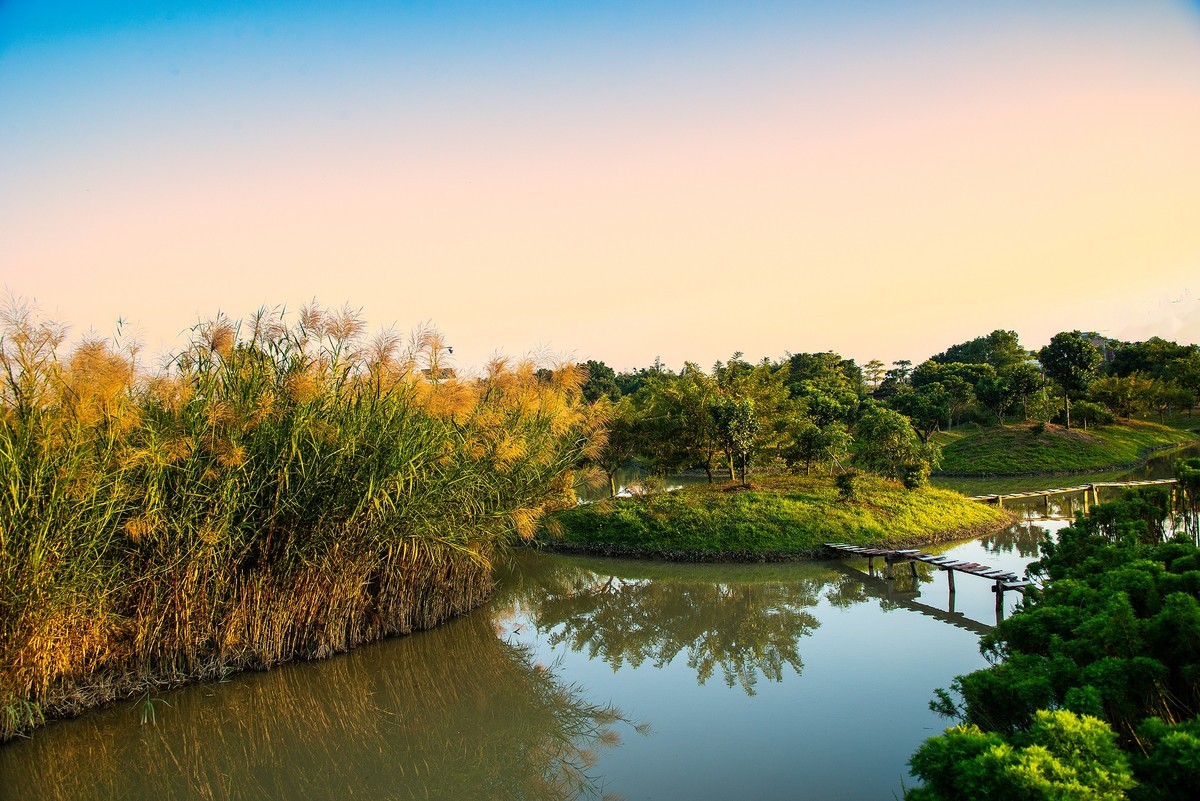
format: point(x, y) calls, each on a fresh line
point(281, 491)
point(1025, 449)
point(777, 518)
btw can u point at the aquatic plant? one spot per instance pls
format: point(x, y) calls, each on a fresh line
point(281, 489)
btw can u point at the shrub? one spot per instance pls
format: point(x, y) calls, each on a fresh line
point(847, 484)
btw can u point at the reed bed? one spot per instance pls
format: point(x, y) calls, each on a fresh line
point(282, 489)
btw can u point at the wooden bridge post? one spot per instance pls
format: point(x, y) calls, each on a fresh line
point(950, 580)
point(871, 565)
point(1046, 497)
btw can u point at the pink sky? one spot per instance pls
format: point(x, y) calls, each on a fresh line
point(780, 184)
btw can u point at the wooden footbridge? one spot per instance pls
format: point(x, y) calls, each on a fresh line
point(1004, 580)
point(1091, 492)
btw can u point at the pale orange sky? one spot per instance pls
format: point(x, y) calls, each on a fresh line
point(876, 183)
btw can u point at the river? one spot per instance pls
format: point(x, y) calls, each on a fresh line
point(583, 678)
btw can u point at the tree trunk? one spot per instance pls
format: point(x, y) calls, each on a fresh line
point(732, 474)
point(1067, 407)
point(612, 485)
point(708, 471)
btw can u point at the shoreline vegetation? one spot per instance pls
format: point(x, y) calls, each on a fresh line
point(281, 490)
point(1093, 686)
point(775, 518)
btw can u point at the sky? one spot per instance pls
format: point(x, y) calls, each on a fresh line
point(620, 181)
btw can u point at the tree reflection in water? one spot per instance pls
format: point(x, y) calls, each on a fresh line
point(452, 713)
point(1020, 538)
point(745, 621)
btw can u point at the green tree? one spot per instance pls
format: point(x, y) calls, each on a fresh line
point(622, 440)
point(925, 406)
point(812, 444)
point(1123, 395)
point(1185, 372)
point(737, 425)
point(886, 443)
point(1000, 349)
point(873, 372)
point(1151, 358)
point(997, 394)
point(1025, 380)
point(601, 382)
point(1071, 360)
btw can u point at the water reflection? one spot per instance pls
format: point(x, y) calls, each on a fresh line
point(452, 713)
point(743, 623)
point(746, 622)
point(1022, 539)
point(779, 654)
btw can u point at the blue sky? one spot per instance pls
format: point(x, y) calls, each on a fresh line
point(609, 180)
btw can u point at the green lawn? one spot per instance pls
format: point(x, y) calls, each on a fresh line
point(1021, 449)
point(776, 518)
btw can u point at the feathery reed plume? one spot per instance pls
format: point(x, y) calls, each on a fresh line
point(276, 492)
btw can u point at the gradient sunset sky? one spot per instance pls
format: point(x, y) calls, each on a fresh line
point(610, 180)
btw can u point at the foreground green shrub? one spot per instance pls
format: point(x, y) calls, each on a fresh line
point(1111, 646)
point(1061, 756)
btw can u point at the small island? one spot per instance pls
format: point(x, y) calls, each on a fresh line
point(772, 518)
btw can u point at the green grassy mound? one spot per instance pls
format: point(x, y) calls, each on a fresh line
point(776, 518)
point(1022, 449)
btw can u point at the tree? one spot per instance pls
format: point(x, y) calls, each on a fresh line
point(997, 394)
point(887, 443)
point(873, 372)
point(1123, 395)
point(686, 429)
point(925, 406)
point(621, 442)
point(1025, 379)
point(1150, 358)
point(812, 444)
point(737, 425)
point(1071, 360)
point(601, 382)
point(1000, 349)
point(1186, 373)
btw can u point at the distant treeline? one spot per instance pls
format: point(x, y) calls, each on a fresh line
point(280, 490)
point(810, 411)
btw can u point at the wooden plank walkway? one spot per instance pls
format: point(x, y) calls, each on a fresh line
point(1003, 579)
point(1089, 488)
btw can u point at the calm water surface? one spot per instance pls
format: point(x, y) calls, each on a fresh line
point(584, 678)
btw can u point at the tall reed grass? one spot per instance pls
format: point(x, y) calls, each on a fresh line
point(283, 489)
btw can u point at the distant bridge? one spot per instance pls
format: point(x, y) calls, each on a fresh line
point(1091, 492)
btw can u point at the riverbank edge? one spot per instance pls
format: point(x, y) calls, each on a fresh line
point(816, 553)
point(110, 687)
point(1144, 456)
